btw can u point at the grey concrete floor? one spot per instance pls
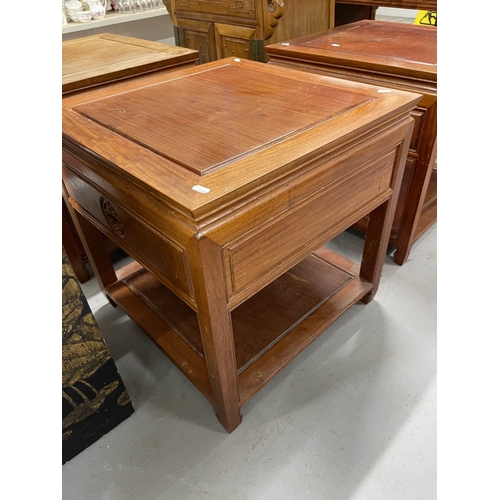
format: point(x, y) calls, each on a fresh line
point(353, 417)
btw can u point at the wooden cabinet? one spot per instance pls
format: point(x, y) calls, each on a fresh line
point(241, 28)
point(390, 56)
point(236, 41)
point(224, 182)
point(100, 60)
point(196, 35)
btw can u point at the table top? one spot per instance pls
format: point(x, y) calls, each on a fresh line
point(203, 138)
point(394, 48)
point(104, 58)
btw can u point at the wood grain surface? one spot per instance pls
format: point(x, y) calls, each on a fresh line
point(221, 181)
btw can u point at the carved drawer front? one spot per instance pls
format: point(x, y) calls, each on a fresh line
point(130, 233)
point(258, 253)
point(235, 8)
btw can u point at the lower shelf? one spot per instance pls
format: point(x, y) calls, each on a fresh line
point(269, 329)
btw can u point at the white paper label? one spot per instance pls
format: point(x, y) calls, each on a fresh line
point(201, 189)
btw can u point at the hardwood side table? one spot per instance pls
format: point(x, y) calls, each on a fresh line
point(223, 182)
point(396, 56)
point(104, 59)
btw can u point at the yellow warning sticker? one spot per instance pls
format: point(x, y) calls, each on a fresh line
point(426, 18)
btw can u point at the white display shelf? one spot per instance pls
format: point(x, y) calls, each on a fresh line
point(113, 18)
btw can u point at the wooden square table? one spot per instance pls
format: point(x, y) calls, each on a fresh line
point(397, 56)
point(100, 60)
point(223, 182)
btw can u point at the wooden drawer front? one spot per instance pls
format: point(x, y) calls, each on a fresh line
point(233, 41)
point(257, 254)
point(198, 35)
point(142, 242)
point(235, 8)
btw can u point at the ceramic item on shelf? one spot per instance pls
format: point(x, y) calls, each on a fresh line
point(64, 20)
point(73, 6)
point(97, 8)
point(83, 16)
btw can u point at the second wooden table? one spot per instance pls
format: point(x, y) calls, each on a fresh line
point(396, 56)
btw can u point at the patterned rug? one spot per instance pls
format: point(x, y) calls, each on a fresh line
point(94, 399)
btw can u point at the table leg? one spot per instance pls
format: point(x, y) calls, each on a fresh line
point(216, 331)
point(95, 249)
point(379, 227)
point(413, 206)
point(71, 247)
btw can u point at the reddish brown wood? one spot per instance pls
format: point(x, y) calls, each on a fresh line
point(222, 215)
point(256, 325)
point(290, 346)
point(130, 294)
point(101, 60)
point(392, 56)
point(215, 329)
point(376, 240)
point(95, 248)
point(73, 246)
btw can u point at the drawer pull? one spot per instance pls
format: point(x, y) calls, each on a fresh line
point(112, 217)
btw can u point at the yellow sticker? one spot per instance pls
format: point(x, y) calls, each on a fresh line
point(426, 18)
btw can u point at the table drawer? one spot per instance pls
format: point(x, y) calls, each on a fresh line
point(131, 233)
point(235, 8)
point(256, 254)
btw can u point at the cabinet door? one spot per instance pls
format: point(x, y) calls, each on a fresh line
point(198, 35)
point(236, 41)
